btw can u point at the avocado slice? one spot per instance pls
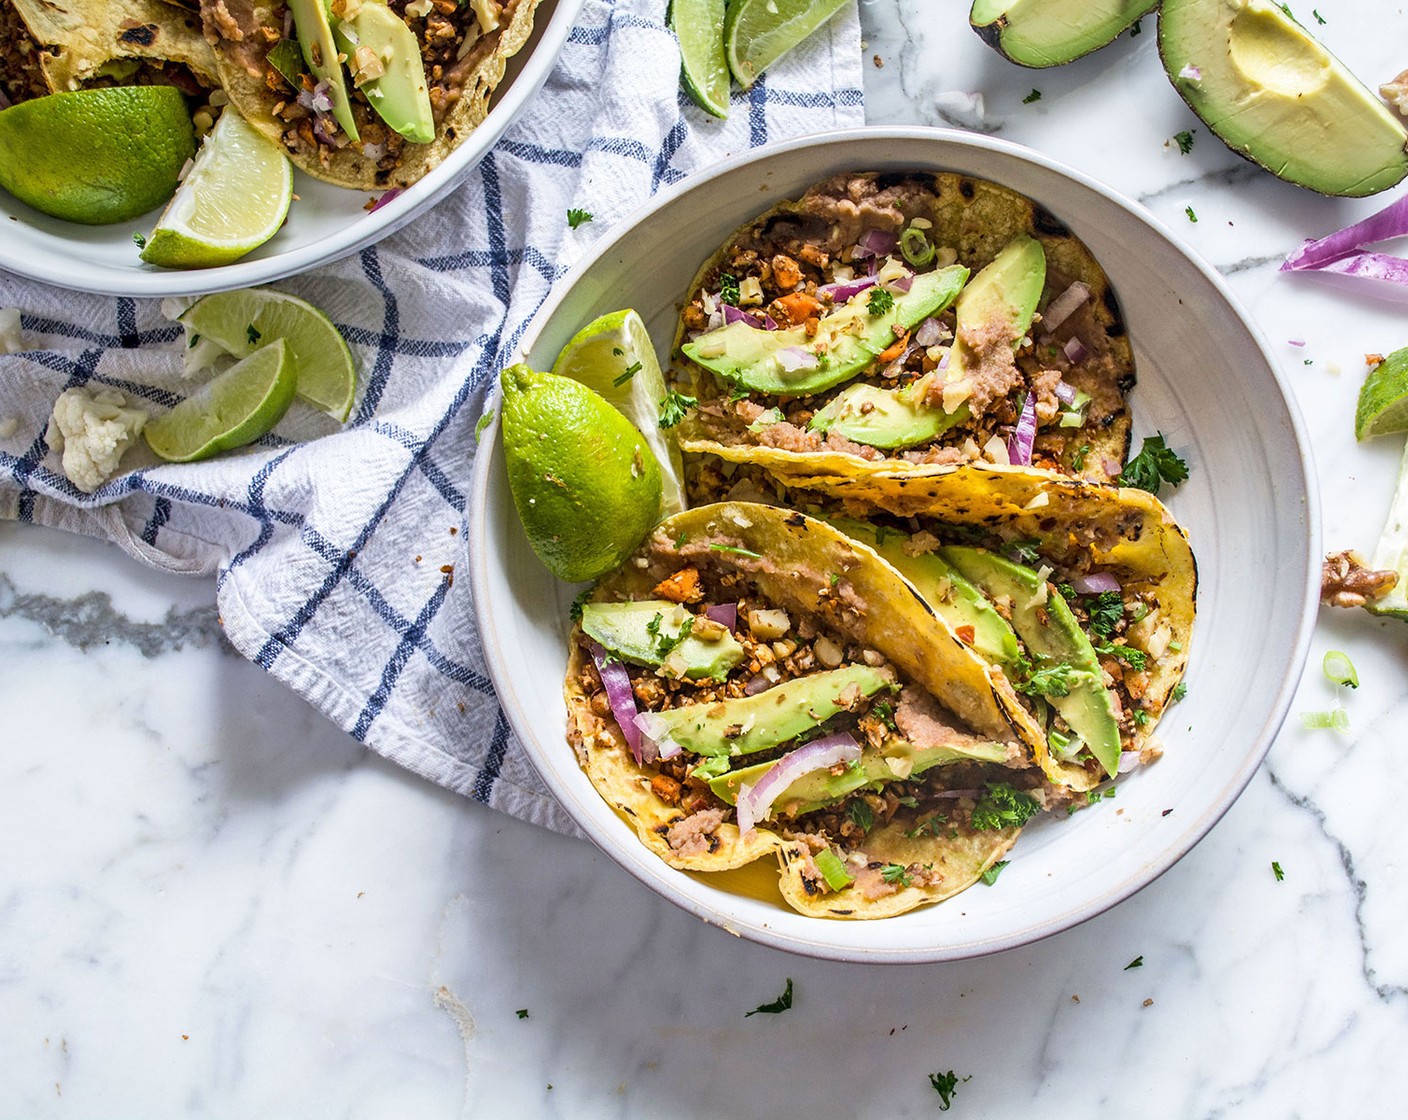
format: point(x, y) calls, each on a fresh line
point(754, 723)
point(899, 759)
point(847, 339)
point(954, 598)
point(1049, 630)
point(1275, 96)
point(1006, 291)
point(1041, 33)
point(310, 17)
point(400, 95)
point(631, 631)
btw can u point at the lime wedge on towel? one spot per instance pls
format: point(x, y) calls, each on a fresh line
point(699, 26)
point(759, 32)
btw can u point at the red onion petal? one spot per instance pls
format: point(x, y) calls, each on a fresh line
point(878, 242)
point(655, 741)
point(1129, 760)
point(1019, 443)
point(1095, 582)
point(1075, 350)
point(793, 358)
point(1065, 393)
point(1369, 266)
point(929, 332)
point(619, 693)
point(725, 614)
point(904, 283)
point(843, 290)
point(735, 315)
point(1392, 221)
point(755, 801)
point(1060, 308)
point(386, 197)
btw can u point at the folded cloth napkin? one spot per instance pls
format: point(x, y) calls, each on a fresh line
point(335, 547)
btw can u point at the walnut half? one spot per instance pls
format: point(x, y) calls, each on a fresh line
point(1346, 581)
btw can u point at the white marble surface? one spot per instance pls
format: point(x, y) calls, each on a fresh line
point(214, 904)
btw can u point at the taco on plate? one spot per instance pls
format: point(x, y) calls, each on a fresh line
point(366, 94)
point(902, 320)
point(754, 683)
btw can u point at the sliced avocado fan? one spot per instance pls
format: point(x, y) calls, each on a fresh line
point(1042, 33)
point(1277, 97)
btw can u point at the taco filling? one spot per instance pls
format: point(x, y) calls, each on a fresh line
point(907, 318)
point(731, 699)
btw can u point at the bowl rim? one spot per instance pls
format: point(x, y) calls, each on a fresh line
point(1212, 813)
point(384, 221)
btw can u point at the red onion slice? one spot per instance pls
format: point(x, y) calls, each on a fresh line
point(655, 741)
point(755, 801)
point(619, 693)
point(1075, 350)
point(929, 332)
point(386, 197)
point(1392, 221)
point(1369, 266)
point(878, 242)
point(725, 614)
point(843, 290)
point(1060, 308)
point(904, 283)
point(1065, 393)
point(1019, 443)
point(1094, 583)
point(792, 358)
point(1129, 760)
point(1295, 342)
point(734, 315)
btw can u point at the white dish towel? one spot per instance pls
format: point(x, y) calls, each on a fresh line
point(334, 548)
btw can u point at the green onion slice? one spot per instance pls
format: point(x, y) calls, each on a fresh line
point(1340, 669)
point(915, 247)
point(1336, 719)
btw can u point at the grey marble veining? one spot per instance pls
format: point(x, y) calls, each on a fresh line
point(215, 904)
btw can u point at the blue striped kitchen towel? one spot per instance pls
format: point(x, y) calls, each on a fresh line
point(333, 547)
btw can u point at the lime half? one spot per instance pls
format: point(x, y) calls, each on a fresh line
point(699, 26)
point(96, 156)
point(235, 197)
point(759, 32)
point(613, 356)
point(1383, 398)
point(241, 321)
point(233, 409)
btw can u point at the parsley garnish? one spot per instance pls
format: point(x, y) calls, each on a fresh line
point(1078, 459)
point(679, 540)
point(1001, 806)
point(673, 408)
point(896, 873)
point(1141, 717)
point(881, 300)
point(577, 218)
point(1105, 610)
point(1136, 28)
point(139, 240)
point(1276, 870)
point(1136, 659)
point(1035, 95)
point(861, 814)
point(1094, 795)
point(991, 874)
point(1192, 217)
point(736, 551)
point(1049, 680)
point(522, 1013)
point(1184, 140)
point(780, 1004)
point(946, 1085)
point(667, 645)
point(1180, 690)
point(1318, 17)
point(1155, 464)
point(253, 334)
point(1137, 962)
point(728, 289)
point(631, 371)
point(577, 604)
point(484, 422)
point(1025, 552)
point(886, 713)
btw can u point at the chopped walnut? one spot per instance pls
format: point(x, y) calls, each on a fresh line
point(1395, 92)
point(1346, 581)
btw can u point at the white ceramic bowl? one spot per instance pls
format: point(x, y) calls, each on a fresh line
point(1206, 381)
point(326, 222)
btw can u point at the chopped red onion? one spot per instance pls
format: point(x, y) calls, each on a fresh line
point(1392, 221)
point(1095, 582)
point(655, 740)
point(1295, 341)
point(1368, 265)
point(755, 801)
point(1075, 350)
point(841, 292)
point(1129, 760)
point(756, 684)
point(725, 614)
point(904, 283)
point(735, 315)
point(386, 197)
point(619, 693)
point(1192, 73)
point(878, 242)
point(793, 358)
point(1019, 443)
point(1113, 467)
point(1060, 308)
point(1065, 393)
point(929, 332)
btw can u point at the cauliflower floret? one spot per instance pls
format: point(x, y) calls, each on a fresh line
point(92, 429)
point(11, 336)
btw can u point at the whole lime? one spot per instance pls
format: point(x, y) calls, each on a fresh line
point(586, 485)
point(96, 156)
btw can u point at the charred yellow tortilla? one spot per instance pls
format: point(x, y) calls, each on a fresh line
point(795, 557)
point(242, 33)
point(976, 219)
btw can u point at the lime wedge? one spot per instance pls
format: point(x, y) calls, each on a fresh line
point(240, 321)
point(759, 32)
point(613, 356)
point(699, 26)
point(233, 409)
point(1391, 553)
point(1383, 398)
point(235, 197)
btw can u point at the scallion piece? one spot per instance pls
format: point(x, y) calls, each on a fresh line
point(916, 248)
point(1340, 669)
point(1336, 719)
point(832, 869)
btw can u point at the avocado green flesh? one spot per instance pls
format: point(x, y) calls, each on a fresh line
point(310, 17)
point(954, 598)
point(1049, 630)
point(624, 629)
point(899, 760)
point(400, 96)
point(1007, 289)
point(1276, 96)
point(886, 418)
point(847, 339)
point(1052, 32)
point(771, 718)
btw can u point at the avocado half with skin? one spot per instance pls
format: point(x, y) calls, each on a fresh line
point(1040, 33)
point(1277, 97)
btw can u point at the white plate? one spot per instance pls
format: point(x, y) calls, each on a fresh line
point(1206, 380)
point(326, 222)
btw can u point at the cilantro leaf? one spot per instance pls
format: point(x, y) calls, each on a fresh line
point(138, 240)
point(577, 218)
point(1137, 962)
point(630, 371)
point(1078, 459)
point(577, 604)
point(728, 289)
point(1035, 95)
point(1155, 464)
point(946, 1085)
point(896, 873)
point(1276, 870)
point(991, 874)
point(674, 406)
point(881, 300)
point(1048, 680)
point(253, 333)
point(861, 814)
point(522, 1013)
point(1180, 690)
point(1184, 140)
point(1105, 610)
point(776, 1007)
point(1192, 217)
point(1136, 659)
point(1001, 806)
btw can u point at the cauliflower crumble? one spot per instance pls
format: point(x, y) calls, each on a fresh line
point(92, 429)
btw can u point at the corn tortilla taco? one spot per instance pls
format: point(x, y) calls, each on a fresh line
point(367, 94)
point(901, 321)
point(755, 683)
